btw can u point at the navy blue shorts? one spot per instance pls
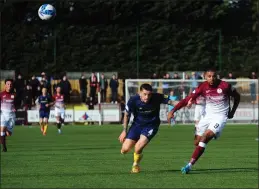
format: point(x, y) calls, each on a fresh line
point(44, 114)
point(135, 132)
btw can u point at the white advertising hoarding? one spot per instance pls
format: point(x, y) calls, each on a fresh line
point(33, 116)
point(93, 115)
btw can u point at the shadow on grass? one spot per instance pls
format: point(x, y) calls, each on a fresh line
point(221, 170)
point(43, 149)
point(144, 172)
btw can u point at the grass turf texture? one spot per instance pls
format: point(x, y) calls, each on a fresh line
point(89, 157)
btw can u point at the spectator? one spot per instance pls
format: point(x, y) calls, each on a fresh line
point(19, 85)
point(230, 76)
point(114, 84)
point(34, 83)
point(187, 77)
point(27, 97)
point(83, 88)
point(27, 101)
point(103, 87)
point(66, 88)
point(253, 87)
point(176, 76)
point(44, 82)
point(194, 82)
point(54, 87)
point(93, 87)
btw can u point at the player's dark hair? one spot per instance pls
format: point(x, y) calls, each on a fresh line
point(8, 80)
point(146, 86)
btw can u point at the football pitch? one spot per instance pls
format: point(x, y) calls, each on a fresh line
point(89, 157)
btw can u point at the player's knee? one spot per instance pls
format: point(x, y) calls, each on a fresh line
point(196, 142)
point(125, 150)
point(208, 135)
point(8, 133)
point(138, 149)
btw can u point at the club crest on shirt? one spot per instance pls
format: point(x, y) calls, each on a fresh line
point(12, 96)
point(219, 90)
point(165, 96)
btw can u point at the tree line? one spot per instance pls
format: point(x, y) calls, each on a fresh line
point(123, 36)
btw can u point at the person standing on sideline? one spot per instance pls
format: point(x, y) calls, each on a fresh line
point(114, 84)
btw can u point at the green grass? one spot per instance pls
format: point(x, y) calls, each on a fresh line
point(89, 157)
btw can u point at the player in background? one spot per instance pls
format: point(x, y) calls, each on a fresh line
point(170, 107)
point(7, 98)
point(58, 99)
point(45, 102)
point(145, 107)
point(217, 95)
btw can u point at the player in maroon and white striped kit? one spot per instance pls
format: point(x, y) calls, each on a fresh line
point(7, 98)
point(217, 95)
point(58, 98)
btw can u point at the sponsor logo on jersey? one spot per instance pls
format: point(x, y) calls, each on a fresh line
point(219, 90)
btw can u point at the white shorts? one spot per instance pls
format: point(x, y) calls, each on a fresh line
point(199, 112)
point(215, 124)
point(60, 112)
point(8, 121)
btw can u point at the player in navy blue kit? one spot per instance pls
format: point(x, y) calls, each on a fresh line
point(145, 108)
point(45, 101)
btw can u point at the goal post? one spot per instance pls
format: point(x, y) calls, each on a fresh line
point(247, 111)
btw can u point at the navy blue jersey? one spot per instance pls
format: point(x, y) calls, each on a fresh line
point(43, 100)
point(146, 114)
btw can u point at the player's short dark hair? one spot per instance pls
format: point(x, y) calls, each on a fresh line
point(146, 86)
point(6, 80)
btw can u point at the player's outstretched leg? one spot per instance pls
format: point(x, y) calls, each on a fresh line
point(139, 146)
point(41, 126)
point(45, 126)
point(137, 158)
point(3, 140)
point(59, 127)
point(58, 118)
point(199, 150)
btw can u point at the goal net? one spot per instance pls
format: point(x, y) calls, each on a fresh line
point(247, 111)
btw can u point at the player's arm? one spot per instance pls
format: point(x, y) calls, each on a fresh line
point(37, 101)
point(236, 96)
point(164, 99)
point(126, 121)
point(186, 101)
point(50, 102)
point(172, 102)
point(128, 108)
